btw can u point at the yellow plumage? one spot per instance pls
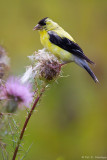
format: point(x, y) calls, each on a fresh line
point(57, 51)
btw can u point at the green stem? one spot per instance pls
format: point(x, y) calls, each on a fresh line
point(25, 124)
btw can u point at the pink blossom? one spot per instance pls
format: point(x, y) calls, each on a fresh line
point(21, 93)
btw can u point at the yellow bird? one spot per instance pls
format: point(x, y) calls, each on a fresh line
point(62, 45)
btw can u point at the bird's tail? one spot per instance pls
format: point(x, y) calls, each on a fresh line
point(84, 65)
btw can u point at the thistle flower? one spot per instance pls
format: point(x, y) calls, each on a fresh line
point(44, 66)
point(16, 93)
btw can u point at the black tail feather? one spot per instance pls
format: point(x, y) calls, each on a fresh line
point(83, 63)
point(90, 72)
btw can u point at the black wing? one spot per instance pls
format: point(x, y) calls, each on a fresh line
point(67, 45)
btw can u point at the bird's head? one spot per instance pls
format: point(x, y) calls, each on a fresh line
point(46, 24)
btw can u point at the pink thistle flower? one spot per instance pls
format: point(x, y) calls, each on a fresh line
point(20, 93)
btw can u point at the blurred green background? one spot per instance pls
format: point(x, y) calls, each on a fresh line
point(71, 119)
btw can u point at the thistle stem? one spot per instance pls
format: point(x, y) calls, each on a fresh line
point(25, 124)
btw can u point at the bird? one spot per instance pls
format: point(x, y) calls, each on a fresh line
point(60, 43)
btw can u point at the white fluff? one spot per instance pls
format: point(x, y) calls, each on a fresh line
point(27, 75)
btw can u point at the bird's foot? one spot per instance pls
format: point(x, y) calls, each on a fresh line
point(56, 66)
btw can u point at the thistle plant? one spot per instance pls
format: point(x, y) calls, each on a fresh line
point(44, 68)
point(26, 91)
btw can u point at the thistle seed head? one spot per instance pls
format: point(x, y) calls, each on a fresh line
point(49, 70)
point(44, 65)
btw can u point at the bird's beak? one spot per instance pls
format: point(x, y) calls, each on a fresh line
point(37, 27)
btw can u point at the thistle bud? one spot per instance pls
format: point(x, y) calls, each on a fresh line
point(11, 106)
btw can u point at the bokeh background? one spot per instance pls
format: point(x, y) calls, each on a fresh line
point(71, 119)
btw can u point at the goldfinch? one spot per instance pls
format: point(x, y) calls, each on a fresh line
point(56, 40)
